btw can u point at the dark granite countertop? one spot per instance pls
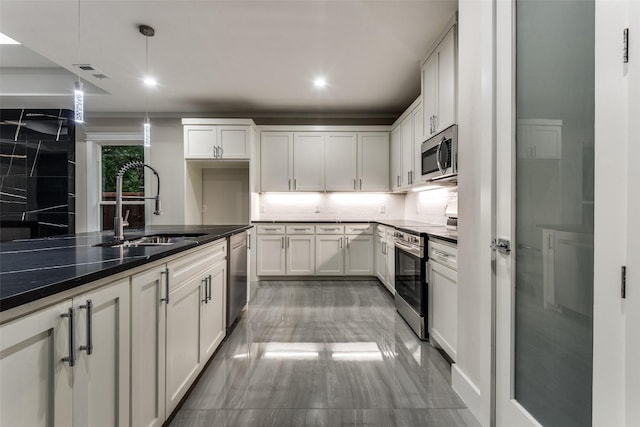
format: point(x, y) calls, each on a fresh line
point(423, 228)
point(38, 268)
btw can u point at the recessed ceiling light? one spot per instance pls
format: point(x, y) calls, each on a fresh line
point(150, 81)
point(7, 40)
point(320, 82)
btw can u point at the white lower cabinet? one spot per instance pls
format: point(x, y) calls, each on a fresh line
point(385, 257)
point(358, 255)
point(68, 364)
point(214, 310)
point(301, 258)
point(443, 295)
point(329, 256)
point(183, 339)
point(148, 326)
point(191, 323)
point(37, 385)
point(271, 255)
point(101, 374)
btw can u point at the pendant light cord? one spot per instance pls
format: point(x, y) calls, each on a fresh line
point(146, 72)
point(78, 65)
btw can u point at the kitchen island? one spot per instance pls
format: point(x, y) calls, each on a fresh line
point(38, 268)
point(93, 332)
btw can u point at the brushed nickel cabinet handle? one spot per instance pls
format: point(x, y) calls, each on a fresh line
point(71, 359)
point(89, 307)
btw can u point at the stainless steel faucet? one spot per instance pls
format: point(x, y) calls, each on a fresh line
point(118, 221)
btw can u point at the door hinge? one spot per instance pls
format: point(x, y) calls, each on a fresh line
point(625, 45)
point(623, 282)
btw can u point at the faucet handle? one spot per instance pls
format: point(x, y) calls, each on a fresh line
point(125, 221)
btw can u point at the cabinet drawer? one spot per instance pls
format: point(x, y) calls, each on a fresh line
point(330, 229)
point(300, 229)
point(359, 229)
point(443, 253)
point(271, 229)
point(190, 265)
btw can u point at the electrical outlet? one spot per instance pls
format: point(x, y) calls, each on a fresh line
point(417, 209)
point(261, 208)
point(204, 208)
point(381, 208)
point(317, 209)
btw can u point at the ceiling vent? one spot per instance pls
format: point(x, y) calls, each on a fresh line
point(85, 67)
point(100, 76)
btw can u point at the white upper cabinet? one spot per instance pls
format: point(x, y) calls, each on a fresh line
point(408, 160)
point(439, 77)
point(234, 142)
point(308, 161)
point(417, 117)
point(373, 161)
point(396, 159)
point(340, 152)
point(276, 161)
point(325, 161)
point(200, 141)
point(217, 142)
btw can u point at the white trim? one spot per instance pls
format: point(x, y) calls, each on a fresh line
point(407, 112)
point(322, 128)
point(453, 21)
point(467, 390)
point(218, 121)
point(114, 136)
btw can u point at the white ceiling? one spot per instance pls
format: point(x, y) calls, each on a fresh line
point(221, 57)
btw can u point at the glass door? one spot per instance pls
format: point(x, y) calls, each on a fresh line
point(545, 176)
point(410, 280)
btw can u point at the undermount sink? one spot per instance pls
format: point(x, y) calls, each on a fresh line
point(164, 239)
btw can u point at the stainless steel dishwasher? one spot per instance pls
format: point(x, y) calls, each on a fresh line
point(237, 283)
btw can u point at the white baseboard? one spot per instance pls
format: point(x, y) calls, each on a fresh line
point(467, 390)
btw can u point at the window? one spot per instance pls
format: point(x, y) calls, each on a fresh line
point(113, 157)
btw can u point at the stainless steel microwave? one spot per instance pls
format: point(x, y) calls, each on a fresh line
point(439, 156)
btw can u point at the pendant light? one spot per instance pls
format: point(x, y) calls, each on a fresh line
point(147, 31)
point(78, 93)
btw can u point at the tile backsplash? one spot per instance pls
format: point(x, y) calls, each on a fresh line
point(432, 206)
point(330, 206)
point(429, 206)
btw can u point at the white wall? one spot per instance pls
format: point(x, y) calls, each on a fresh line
point(166, 156)
point(610, 236)
point(471, 375)
point(330, 206)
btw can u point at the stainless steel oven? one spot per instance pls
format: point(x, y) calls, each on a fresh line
point(411, 281)
point(439, 157)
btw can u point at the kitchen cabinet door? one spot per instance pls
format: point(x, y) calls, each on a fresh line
point(276, 161)
point(359, 255)
point(329, 255)
point(301, 257)
point(444, 328)
point(381, 261)
point(395, 176)
point(234, 142)
point(200, 141)
point(373, 161)
point(340, 149)
point(446, 110)
point(183, 360)
point(430, 93)
point(36, 386)
point(419, 137)
point(101, 374)
point(148, 325)
point(213, 310)
point(270, 257)
point(408, 161)
point(308, 161)
point(390, 259)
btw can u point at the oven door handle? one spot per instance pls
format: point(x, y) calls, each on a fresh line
point(412, 250)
